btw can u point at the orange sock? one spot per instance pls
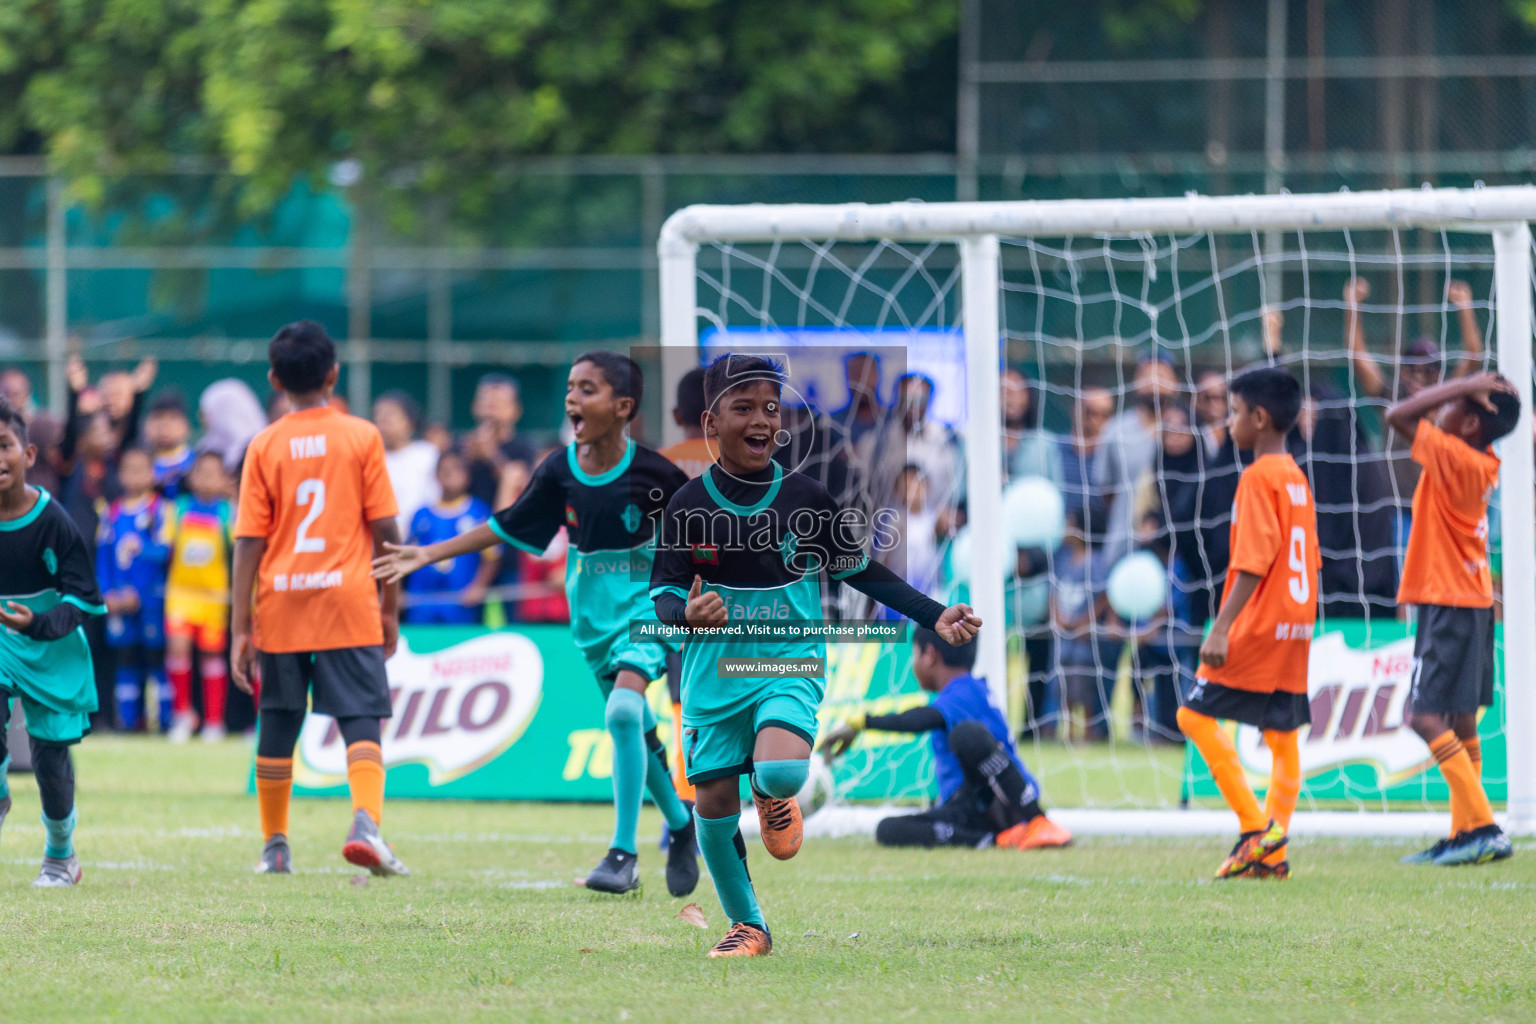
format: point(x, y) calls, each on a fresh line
point(1466, 790)
point(365, 777)
point(1474, 749)
point(274, 784)
point(679, 772)
point(1221, 757)
point(1284, 782)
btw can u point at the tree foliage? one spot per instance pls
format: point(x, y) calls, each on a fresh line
point(438, 94)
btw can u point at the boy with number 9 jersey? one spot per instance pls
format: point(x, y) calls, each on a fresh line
point(1254, 661)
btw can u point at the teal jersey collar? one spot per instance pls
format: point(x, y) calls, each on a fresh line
point(582, 476)
point(743, 510)
point(43, 497)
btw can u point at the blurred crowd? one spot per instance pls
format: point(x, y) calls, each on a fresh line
point(155, 482)
point(1143, 466)
point(1146, 467)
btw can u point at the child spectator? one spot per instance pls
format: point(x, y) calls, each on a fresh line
point(130, 570)
point(167, 430)
point(458, 583)
point(197, 595)
point(412, 464)
point(1079, 610)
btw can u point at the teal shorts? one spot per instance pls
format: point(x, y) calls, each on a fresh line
point(48, 724)
point(647, 658)
point(715, 750)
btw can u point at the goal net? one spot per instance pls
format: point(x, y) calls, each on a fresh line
point(1033, 396)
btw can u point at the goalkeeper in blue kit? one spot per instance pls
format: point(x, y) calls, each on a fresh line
point(47, 589)
point(607, 492)
point(748, 542)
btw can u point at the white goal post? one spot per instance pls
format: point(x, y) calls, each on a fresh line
point(976, 229)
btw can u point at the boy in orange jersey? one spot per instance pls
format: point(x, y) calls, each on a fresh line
point(315, 507)
point(1446, 575)
point(1253, 664)
point(694, 454)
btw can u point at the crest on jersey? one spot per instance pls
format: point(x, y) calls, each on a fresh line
point(51, 560)
point(632, 517)
point(707, 554)
point(570, 516)
point(789, 545)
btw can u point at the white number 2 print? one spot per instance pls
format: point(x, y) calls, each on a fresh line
point(312, 493)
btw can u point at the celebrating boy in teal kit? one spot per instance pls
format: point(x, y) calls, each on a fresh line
point(47, 588)
point(607, 491)
point(745, 543)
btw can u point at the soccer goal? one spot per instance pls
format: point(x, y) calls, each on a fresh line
point(1049, 376)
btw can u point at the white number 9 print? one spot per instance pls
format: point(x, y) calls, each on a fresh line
point(312, 493)
point(1301, 583)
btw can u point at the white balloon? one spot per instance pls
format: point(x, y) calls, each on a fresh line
point(818, 788)
point(1035, 514)
point(1138, 586)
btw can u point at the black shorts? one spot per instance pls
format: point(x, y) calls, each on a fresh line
point(1282, 712)
point(965, 819)
point(348, 682)
point(1452, 660)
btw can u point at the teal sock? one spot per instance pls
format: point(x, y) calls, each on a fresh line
point(726, 857)
point(5, 777)
point(624, 716)
point(780, 779)
point(658, 782)
point(61, 836)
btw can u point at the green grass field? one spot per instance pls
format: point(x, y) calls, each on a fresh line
point(170, 924)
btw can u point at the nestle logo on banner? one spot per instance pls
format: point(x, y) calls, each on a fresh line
point(1357, 699)
point(454, 710)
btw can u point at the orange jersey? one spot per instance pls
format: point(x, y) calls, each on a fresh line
point(1274, 537)
point(312, 483)
point(693, 456)
point(1447, 560)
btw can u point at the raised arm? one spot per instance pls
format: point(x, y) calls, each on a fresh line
point(1460, 294)
point(1356, 291)
point(1405, 415)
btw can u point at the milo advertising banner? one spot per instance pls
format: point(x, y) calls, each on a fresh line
point(1359, 748)
point(516, 715)
point(479, 715)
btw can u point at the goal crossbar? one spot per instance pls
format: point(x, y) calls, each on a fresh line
point(1504, 213)
point(1476, 209)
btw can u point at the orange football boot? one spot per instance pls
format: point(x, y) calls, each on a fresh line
point(781, 825)
point(1263, 871)
point(1036, 833)
point(744, 940)
point(1251, 849)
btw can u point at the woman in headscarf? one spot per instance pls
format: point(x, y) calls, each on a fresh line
point(232, 416)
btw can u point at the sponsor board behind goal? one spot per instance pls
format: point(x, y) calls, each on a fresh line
point(1359, 750)
point(515, 715)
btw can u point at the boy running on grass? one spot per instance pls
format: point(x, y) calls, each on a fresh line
point(747, 542)
point(47, 588)
point(1446, 575)
point(1253, 664)
point(315, 506)
point(607, 491)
